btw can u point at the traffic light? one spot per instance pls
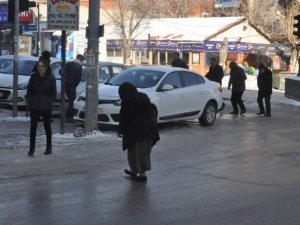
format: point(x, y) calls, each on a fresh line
point(297, 25)
point(24, 5)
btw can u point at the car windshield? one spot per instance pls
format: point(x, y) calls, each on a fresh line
point(141, 78)
point(25, 66)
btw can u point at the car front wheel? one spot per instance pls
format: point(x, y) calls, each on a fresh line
point(209, 114)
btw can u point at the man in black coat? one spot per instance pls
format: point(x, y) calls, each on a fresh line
point(73, 77)
point(138, 127)
point(237, 80)
point(264, 83)
point(215, 72)
point(178, 62)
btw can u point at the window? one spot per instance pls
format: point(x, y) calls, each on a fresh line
point(191, 79)
point(196, 58)
point(55, 67)
point(103, 73)
point(116, 70)
point(172, 79)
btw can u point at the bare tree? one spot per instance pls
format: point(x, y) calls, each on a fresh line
point(128, 16)
point(290, 8)
point(181, 8)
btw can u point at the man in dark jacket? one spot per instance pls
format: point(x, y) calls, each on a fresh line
point(138, 127)
point(264, 84)
point(73, 77)
point(237, 80)
point(178, 62)
point(215, 72)
point(46, 55)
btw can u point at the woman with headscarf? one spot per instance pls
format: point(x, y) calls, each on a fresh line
point(138, 127)
point(41, 93)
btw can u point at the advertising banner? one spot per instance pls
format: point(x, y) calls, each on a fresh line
point(63, 15)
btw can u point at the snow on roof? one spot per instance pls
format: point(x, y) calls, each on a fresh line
point(193, 29)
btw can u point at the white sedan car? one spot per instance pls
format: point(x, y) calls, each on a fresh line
point(176, 94)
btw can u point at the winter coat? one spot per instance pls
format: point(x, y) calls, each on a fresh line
point(136, 119)
point(41, 92)
point(73, 73)
point(237, 79)
point(179, 63)
point(264, 83)
point(215, 73)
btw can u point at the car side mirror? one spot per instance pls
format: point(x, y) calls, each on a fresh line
point(167, 87)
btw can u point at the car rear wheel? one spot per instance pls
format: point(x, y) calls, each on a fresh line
point(209, 114)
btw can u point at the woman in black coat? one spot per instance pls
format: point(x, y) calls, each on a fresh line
point(237, 80)
point(138, 126)
point(41, 93)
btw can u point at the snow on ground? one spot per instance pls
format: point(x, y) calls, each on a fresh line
point(251, 82)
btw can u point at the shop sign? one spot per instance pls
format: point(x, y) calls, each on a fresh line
point(25, 45)
point(63, 15)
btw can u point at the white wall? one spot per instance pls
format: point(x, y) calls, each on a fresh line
point(242, 33)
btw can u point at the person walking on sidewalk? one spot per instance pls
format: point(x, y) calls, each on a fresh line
point(215, 72)
point(73, 77)
point(178, 62)
point(46, 55)
point(264, 84)
point(41, 93)
point(237, 80)
point(138, 127)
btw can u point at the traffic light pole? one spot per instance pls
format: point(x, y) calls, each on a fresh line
point(91, 104)
point(16, 59)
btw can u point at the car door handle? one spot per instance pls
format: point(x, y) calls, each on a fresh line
point(181, 96)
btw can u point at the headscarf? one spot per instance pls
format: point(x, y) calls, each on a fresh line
point(126, 89)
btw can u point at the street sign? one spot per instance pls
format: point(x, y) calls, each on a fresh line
point(63, 15)
point(3, 12)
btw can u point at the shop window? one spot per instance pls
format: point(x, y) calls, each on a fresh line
point(185, 57)
point(196, 58)
point(114, 52)
point(210, 55)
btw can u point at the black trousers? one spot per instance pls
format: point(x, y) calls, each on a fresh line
point(34, 119)
point(71, 94)
point(236, 99)
point(267, 98)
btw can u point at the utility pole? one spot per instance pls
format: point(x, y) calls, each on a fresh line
point(38, 38)
point(16, 59)
point(91, 104)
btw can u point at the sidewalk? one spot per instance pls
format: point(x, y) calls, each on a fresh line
point(250, 95)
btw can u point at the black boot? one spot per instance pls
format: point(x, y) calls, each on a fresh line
point(31, 151)
point(48, 150)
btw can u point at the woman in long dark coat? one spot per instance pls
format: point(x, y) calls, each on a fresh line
point(138, 127)
point(41, 93)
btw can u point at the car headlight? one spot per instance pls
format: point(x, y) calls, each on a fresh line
point(22, 86)
point(117, 102)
